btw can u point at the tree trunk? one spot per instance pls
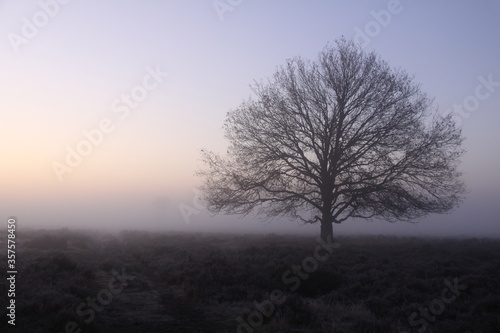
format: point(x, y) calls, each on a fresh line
point(326, 231)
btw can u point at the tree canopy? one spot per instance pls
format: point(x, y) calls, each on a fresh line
point(345, 136)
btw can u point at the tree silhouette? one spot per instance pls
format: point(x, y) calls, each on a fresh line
point(345, 136)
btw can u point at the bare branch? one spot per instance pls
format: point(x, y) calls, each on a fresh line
point(344, 136)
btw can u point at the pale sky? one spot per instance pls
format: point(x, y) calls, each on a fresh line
point(69, 68)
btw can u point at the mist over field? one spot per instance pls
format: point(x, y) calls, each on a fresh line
point(116, 117)
point(163, 214)
point(149, 87)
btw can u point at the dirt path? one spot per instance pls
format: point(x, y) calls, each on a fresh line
point(141, 307)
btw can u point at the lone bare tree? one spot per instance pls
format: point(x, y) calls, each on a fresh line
point(344, 136)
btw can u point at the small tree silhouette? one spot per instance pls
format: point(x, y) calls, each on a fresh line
point(344, 136)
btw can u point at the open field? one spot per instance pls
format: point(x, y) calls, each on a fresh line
point(149, 282)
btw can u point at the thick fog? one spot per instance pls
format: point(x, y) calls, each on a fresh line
point(139, 88)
